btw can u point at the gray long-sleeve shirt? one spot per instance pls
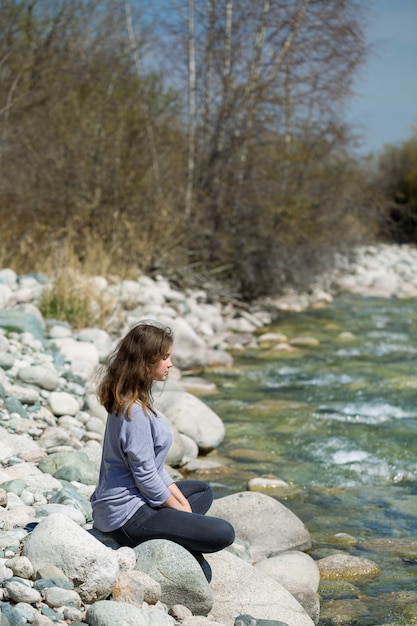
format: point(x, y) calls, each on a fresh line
point(132, 469)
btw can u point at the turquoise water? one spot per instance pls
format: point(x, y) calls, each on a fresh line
point(338, 422)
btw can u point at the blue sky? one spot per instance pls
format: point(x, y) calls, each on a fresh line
point(385, 107)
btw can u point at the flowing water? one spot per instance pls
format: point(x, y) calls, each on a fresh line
point(338, 422)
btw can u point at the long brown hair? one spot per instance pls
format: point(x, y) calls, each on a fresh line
point(127, 374)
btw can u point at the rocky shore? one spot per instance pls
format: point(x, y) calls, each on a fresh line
point(54, 568)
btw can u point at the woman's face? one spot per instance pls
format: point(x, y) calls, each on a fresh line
point(161, 369)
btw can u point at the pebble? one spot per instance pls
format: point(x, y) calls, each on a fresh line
point(347, 567)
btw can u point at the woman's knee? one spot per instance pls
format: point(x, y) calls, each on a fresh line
point(199, 494)
point(223, 533)
point(228, 533)
point(191, 487)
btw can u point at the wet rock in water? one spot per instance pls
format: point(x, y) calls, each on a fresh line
point(267, 483)
point(410, 557)
point(347, 567)
point(331, 589)
point(343, 539)
point(197, 385)
point(284, 347)
point(272, 407)
point(251, 455)
point(304, 341)
point(343, 612)
point(346, 336)
point(390, 545)
point(272, 338)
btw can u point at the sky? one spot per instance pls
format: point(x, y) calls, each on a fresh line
point(384, 109)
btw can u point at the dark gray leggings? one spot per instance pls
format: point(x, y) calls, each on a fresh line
point(194, 531)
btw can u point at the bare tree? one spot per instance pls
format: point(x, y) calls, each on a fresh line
point(223, 148)
point(270, 74)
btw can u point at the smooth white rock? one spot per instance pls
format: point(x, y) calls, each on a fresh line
point(192, 417)
point(276, 531)
point(292, 565)
point(238, 589)
point(63, 403)
point(91, 566)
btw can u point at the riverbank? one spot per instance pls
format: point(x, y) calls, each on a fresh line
point(51, 430)
point(380, 271)
point(54, 567)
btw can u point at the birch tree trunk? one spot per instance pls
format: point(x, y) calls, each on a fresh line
point(191, 111)
point(149, 123)
point(253, 99)
point(206, 113)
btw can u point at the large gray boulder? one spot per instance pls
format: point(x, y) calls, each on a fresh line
point(292, 565)
point(178, 572)
point(92, 567)
point(182, 449)
point(189, 351)
point(192, 417)
point(239, 588)
point(299, 574)
point(264, 523)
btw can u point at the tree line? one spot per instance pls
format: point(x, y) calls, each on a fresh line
point(202, 139)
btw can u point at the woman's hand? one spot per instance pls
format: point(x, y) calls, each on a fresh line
point(177, 500)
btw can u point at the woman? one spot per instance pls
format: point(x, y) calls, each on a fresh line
point(136, 499)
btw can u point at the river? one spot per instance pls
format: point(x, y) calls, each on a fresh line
point(337, 420)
